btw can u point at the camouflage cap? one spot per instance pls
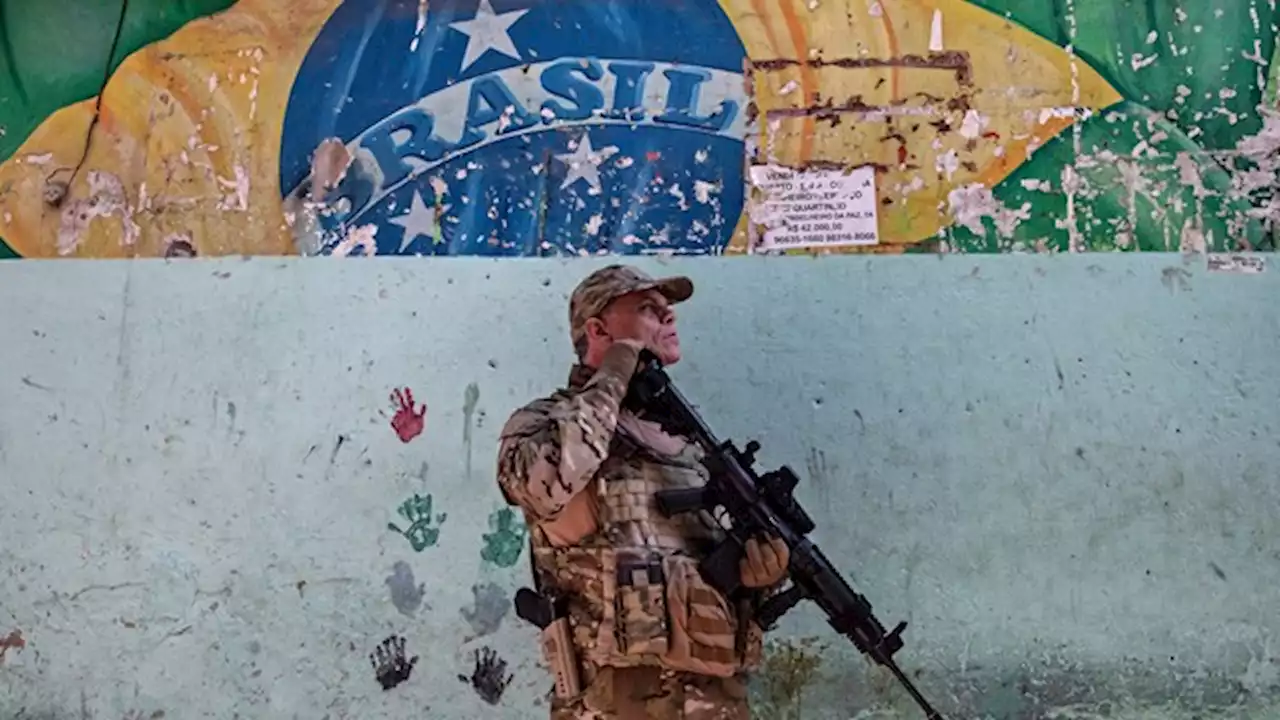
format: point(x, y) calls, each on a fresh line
point(603, 286)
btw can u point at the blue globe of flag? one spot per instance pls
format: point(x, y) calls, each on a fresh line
point(519, 128)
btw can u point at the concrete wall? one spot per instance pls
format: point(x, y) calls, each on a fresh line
point(1062, 473)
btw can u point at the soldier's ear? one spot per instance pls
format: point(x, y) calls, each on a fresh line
point(596, 329)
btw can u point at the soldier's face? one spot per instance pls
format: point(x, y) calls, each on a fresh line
point(648, 317)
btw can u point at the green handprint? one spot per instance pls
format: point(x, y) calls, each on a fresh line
point(423, 530)
point(503, 546)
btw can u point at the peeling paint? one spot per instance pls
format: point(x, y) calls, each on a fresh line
point(421, 23)
point(969, 205)
point(1263, 181)
point(106, 199)
point(238, 199)
point(973, 124)
point(361, 237)
point(329, 165)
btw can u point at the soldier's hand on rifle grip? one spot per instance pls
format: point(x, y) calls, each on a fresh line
point(765, 564)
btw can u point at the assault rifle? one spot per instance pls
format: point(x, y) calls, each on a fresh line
point(762, 505)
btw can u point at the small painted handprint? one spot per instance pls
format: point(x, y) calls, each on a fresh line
point(424, 526)
point(503, 545)
point(408, 422)
point(389, 664)
point(490, 677)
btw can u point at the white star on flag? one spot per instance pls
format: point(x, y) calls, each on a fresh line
point(584, 163)
point(420, 220)
point(488, 31)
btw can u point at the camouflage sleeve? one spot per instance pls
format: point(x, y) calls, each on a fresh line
point(549, 451)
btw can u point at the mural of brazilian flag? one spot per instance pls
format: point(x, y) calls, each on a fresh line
point(584, 127)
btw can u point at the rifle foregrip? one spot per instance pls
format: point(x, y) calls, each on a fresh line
point(675, 502)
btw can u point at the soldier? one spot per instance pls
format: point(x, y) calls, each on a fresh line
point(650, 639)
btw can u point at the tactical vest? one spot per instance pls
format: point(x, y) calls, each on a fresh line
point(635, 594)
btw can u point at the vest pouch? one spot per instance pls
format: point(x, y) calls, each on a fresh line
point(642, 623)
point(704, 637)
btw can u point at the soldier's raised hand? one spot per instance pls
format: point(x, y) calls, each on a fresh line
point(765, 563)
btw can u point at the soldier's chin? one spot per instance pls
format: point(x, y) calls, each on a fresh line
point(669, 353)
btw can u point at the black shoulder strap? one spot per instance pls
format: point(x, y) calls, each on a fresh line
point(533, 567)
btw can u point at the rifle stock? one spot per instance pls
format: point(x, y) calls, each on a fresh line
point(764, 505)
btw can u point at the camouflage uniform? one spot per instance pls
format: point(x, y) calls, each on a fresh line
point(652, 639)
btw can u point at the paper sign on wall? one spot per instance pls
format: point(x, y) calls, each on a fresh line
point(815, 208)
point(1236, 263)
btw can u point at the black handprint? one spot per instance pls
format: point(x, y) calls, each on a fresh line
point(490, 678)
point(389, 664)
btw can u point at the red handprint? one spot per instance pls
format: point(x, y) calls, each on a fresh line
point(407, 422)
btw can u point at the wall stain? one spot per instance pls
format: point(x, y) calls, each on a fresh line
point(820, 475)
point(1057, 687)
point(956, 61)
point(33, 384)
point(405, 595)
point(489, 606)
point(337, 446)
point(816, 464)
point(1010, 699)
point(469, 400)
point(1176, 278)
point(489, 677)
point(179, 246)
point(237, 436)
point(13, 641)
